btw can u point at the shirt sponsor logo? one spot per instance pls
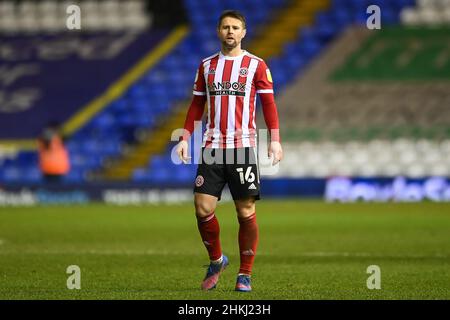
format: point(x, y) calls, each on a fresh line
point(227, 88)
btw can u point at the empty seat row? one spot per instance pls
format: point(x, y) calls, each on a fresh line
point(377, 158)
point(51, 16)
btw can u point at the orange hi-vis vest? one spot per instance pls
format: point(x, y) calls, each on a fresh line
point(55, 158)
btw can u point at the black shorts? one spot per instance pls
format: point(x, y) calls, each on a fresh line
point(236, 167)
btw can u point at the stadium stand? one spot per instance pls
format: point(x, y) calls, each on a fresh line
point(346, 108)
point(372, 105)
point(31, 32)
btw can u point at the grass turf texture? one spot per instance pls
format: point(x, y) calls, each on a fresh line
point(307, 250)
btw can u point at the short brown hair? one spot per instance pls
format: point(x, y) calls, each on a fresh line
point(233, 14)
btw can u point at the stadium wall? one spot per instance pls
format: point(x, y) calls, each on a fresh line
point(335, 189)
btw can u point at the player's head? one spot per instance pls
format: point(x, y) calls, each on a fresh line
point(231, 28)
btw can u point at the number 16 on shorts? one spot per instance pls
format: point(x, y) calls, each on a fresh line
point(249, 175)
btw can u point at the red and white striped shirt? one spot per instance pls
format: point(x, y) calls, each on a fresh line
point(230, 85)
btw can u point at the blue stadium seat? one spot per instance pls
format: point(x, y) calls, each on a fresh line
point(75, 176)
point(326, 26)
point(389, 16)
point(179, 79)
point(87, 161)
point(12, 175)
point(104, 120)
point(73, 146)
point(119, 105)
point(295, 62)
point(184, 173)
point(171, 63)
point(307, 33)
point(7, 163)
point(90, 146)
point(198, 19)
point(160, 161)
point(143, 120)
point(25, 158)
point(140, 175)
point(162, 175)
point(111, 147)
point(154, 77)
point(309, 48)
point(31, 174)
point(342, 17)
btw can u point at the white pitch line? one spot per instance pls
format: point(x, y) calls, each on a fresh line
point(95, 252)
point(313, 254)
point(368, 255)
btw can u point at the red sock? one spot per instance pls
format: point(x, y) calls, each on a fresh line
point(248, 241)
point(210, 230)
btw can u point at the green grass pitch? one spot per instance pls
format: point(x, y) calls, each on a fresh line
point(307, 250)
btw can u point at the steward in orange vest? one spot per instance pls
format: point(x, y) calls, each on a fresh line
point(53, 156)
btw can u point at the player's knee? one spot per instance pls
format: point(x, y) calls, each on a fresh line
point(203, 209)
point(245, 212)
point(245, 209)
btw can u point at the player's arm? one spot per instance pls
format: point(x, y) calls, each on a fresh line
point(264, 87)
point(195, 113)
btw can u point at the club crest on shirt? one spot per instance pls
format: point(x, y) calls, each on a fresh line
point(212, 71)
point(243, 72)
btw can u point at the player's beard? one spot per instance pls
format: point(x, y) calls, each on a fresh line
point(231, 45)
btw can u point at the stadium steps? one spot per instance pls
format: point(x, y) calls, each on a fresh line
point(154, 143)
point(285, 27)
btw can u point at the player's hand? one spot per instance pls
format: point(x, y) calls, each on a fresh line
point(276, 151)
point(182, 151)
